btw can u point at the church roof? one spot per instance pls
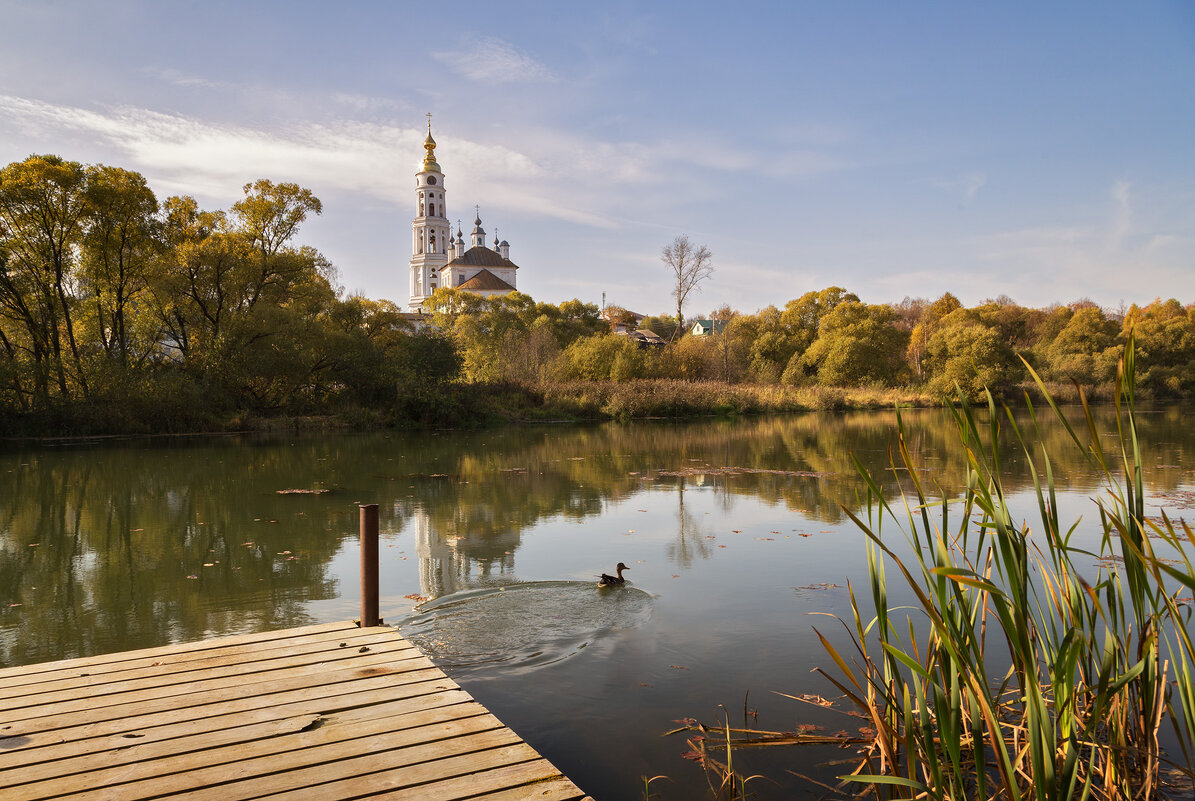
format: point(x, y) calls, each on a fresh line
point(485, 280)
point(481, 256)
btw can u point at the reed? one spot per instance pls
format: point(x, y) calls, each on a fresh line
point(1097, 669)
point(1012, 674)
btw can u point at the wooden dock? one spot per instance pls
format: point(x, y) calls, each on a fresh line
point(329, 712)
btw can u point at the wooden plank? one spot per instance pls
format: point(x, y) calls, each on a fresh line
point(253, 778)
point(538, 780)
point(160, 699)
point(427, 725)
point(164, 680)
point(84, 726)
point(296, 714)
point(169, 667)
point(387, 777)
point(178, 648)
point(263, 737)
point(111, 735)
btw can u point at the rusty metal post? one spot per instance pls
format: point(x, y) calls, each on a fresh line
point(369, 565)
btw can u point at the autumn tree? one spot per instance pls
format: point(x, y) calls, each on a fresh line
point(43, 208)
point(119, 251)
point(690, 265)
point(856, 344)
point(920, 336)
point(1164, 332)
point(964, 354)
point(1086, 350)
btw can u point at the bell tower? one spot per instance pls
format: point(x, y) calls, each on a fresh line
point(431, 238)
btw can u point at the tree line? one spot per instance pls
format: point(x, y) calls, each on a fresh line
point(137, 313)
point(831, 338)
point(122, 312)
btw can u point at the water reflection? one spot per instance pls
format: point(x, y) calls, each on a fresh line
point(521, 627)
point(124, 544)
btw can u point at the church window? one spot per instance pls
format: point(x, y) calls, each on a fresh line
point(431, 210)
point(421, 208)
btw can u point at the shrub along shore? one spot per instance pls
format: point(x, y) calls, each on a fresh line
point(484, 405)
point(123, 314)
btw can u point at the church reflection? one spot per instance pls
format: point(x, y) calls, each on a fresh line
point(449, 562)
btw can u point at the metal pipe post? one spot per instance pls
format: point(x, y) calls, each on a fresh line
point(369, 565)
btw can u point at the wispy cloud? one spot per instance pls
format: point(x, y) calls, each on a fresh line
point(963, 188)
point(189, 156)
point(1122, 214)
point(494, 61)
point(176, 78)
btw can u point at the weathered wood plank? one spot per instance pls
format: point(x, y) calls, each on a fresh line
point(316, 766)
point(166, 678)
point(538, 780)
point(87, 725)
point(385, 782)
point(110, 735)
point(170, 668)
point(257, 739)
point(165, 682)
point(287, 749)
point(11, 673)
point(298, 714)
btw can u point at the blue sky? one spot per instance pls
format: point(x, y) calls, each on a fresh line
point(1045, 151)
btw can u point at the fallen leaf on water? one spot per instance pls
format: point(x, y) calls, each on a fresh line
point(195, 577)
point(693, 755)
point(721, 546)
point(736, 531)
point(10, 606)
point(209, 564)
point(676, 575)
point(867, 731)
point(813, 698)
point(678, 667)
point(765, 539)
point(136, 529)
point(644, 684)
point(686, 721)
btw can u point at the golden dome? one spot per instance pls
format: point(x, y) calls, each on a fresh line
point(429, 161)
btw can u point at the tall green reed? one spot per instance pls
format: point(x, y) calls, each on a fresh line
point(1097, 668)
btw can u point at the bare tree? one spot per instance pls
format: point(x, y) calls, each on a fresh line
point(691, 264)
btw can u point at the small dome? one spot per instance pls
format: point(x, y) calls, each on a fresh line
point(504, 244)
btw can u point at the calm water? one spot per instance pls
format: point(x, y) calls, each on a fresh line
point(734, 532)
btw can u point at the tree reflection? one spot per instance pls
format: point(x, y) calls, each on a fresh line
point(132, 544)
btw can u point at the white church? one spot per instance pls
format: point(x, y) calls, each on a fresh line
point(439, 260)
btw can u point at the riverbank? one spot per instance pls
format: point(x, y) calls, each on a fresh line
point(485, 405)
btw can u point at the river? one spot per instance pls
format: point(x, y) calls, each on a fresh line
point(491, 542)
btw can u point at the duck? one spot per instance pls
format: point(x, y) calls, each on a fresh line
point(614, 581)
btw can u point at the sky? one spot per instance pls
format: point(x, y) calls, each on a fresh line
point(1043, 151)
